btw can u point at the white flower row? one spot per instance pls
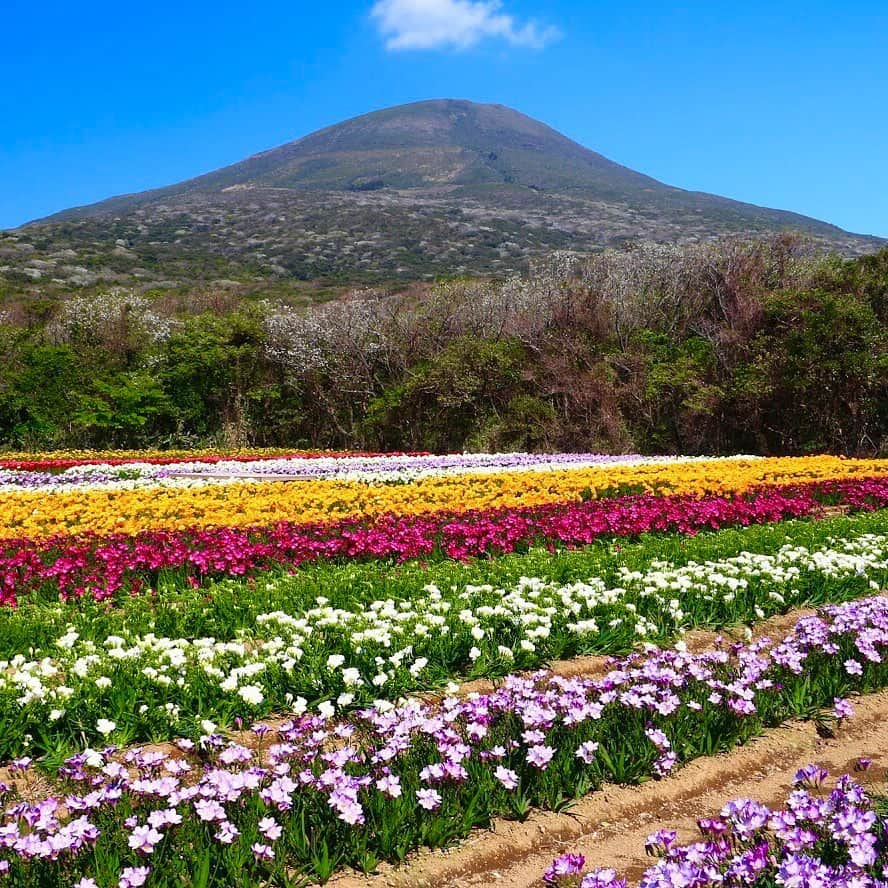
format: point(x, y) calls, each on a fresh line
point(367, 470)
point(328, 651)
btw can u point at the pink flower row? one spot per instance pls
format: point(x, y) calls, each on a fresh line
point(103, 566)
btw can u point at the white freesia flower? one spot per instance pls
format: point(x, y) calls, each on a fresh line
point(251, 694)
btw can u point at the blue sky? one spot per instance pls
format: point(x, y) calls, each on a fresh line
point(777, 103)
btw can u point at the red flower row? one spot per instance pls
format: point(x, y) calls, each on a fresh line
point(61, 463)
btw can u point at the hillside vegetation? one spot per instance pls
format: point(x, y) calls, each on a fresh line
point(756, 346)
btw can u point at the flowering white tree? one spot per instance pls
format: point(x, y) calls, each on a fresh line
point(113, 319)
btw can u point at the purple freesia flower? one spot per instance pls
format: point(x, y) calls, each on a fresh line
point(429, 799)
point(309, 764)
point(565, 865)
point(133, 876)
point(144, 838)
point(758, 847)
point(842, 709)
point(540, 756)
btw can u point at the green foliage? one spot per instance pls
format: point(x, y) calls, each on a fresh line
point(818, 373)
point(207, 367)
point(123, 409)
point(527, 423)
point(680, 399)
point(36, 384)
point(445, 402)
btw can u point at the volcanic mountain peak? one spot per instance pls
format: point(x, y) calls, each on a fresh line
point(440, 143)
point(432, 188)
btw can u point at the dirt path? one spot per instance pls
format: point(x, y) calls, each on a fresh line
point(610, 826)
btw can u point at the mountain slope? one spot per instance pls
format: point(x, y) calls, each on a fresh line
point(431, 188)
point(425, 145)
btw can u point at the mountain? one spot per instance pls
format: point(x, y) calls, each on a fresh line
point(433, 188)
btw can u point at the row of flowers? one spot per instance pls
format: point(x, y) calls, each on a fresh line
point(101, 567)
point(152, 686)
point(32, 514)
point(819, 838)
point(59, 460)
point(317, 793)
point(391, 469)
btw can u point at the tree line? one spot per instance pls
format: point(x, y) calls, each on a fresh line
point(764, 346)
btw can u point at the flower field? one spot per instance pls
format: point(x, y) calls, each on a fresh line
point(246, 669)
point(132, 507)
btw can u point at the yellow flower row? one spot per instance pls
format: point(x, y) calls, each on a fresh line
point(32, 514)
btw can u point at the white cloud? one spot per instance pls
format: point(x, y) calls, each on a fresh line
point(434, 24)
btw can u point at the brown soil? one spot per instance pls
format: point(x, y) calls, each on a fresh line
point(610, 826)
